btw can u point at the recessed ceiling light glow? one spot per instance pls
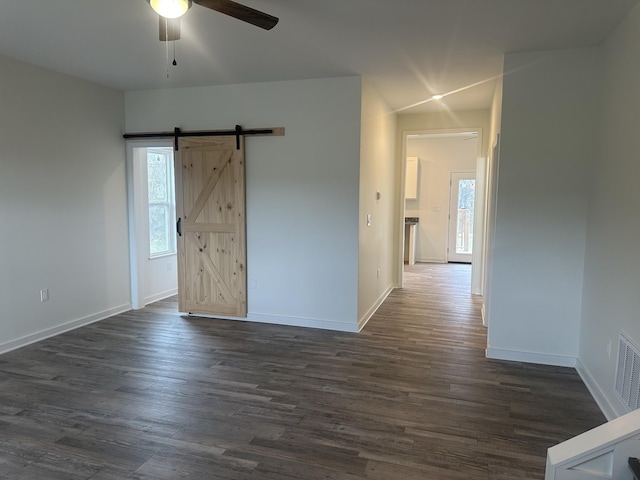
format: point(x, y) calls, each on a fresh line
point(437, 97)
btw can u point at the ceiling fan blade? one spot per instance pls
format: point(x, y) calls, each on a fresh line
point(241, 12)
point(169, 29)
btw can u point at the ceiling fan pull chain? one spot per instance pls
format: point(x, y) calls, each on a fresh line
point(174, 54)
point(166, 42)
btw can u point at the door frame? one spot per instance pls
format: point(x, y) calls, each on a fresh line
point(137, 234)
point(477, 262)
point(451, 231)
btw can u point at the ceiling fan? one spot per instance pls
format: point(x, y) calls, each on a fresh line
point(170, 12)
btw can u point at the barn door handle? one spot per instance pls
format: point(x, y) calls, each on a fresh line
point(179, 227)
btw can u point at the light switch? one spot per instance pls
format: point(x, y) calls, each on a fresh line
point(368, 219)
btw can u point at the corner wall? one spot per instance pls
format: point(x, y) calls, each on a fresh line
point(611, 302)
point(491, 180)
point(63, 203)
point(550, 112)
point(378, 161)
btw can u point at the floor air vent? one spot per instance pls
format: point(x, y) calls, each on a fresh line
point(627, 384)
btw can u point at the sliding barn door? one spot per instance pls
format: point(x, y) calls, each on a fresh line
point(212, 234)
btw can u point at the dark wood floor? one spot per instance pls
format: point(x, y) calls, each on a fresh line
point(152, 395)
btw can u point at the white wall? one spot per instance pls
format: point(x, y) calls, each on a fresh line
point(377, 174)
point(62, 203)
point(612, 269)
point(550, 111)
point(302, 188)
point(491, 182)
point(445, 120)
point(439, 156)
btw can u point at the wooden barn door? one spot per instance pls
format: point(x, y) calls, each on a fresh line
point(210, 201)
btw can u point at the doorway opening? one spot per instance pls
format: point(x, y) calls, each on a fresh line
point(446, 199)
point(152, 210)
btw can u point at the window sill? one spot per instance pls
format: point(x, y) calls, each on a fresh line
point(162, 255)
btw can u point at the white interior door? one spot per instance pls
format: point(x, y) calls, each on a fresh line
point(461, 213)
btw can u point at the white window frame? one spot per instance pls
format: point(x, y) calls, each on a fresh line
point(170, 205)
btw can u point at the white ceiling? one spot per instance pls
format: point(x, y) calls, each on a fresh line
point(409, 49)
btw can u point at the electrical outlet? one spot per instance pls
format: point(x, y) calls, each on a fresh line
point(44, 295)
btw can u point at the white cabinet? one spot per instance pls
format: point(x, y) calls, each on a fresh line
point(411, 179)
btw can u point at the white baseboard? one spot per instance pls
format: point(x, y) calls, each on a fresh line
point(530, 357)
point(430, 260)
point(609, 409)
point(289, 321)
point(367, 316)
point(160, 296)
point(483, 313)
point(65, 327)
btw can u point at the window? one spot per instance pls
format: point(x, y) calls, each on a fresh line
point(162, 237)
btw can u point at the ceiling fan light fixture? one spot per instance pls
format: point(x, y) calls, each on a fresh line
point(170, 8)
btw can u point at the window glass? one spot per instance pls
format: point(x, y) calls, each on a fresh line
point(157, 173)
point(161, 201)
point(466, 202)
